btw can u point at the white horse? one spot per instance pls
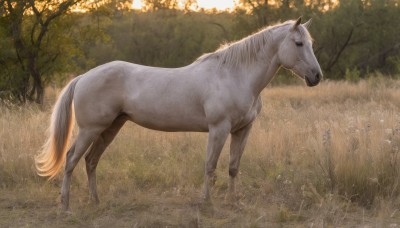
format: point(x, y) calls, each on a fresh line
point(219, 93)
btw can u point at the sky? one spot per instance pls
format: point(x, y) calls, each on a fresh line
point(206, 4)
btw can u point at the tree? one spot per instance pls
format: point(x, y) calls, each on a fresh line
point(358, 35)
point(154, 5)
point(259, 8)
point(28, 24)
point(164, 38)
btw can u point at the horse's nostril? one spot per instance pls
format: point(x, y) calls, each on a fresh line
point(317, 76)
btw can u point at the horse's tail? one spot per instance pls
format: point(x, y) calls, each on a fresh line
point(52, 157)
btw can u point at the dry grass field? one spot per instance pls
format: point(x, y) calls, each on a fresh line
point(327, 156)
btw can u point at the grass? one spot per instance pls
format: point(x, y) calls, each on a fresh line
point(323, 156)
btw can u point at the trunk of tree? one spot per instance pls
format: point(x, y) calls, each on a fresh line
point(39, 93)
point(38, 88)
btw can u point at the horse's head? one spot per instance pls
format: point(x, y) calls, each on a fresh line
point(296, 54)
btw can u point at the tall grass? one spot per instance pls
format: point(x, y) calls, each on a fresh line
point(311, 149)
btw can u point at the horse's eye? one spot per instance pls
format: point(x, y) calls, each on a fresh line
point(299, 44)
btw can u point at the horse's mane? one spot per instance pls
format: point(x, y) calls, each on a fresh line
point(245, 50)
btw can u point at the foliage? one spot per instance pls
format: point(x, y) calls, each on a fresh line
point(351, 36)
point(139, 38)
point(40, 40)
point(352, 75)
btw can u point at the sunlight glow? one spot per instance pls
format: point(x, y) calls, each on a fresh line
point(201, 4)
point(217, 4)
point(137, 4)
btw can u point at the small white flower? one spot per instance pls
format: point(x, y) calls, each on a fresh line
point(389, 131)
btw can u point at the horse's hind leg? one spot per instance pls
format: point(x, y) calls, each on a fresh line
point(93, 156)
point(83, 141)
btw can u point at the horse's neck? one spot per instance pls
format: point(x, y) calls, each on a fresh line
point(262, 76)
point(264, 69)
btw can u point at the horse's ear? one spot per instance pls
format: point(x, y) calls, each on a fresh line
point(298, 22)
point(307, 24)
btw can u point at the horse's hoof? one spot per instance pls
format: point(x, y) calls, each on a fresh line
point(206, 200)
point(230, 198)
point(206, 207)
point(93, 201)
point(67, 212)
point(202, 201)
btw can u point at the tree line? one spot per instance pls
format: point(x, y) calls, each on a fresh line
point(45, 41)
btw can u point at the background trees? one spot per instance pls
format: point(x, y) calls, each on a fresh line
point(34, 39)
point(45, 41)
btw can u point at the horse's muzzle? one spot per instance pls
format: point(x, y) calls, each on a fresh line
point(314, 80)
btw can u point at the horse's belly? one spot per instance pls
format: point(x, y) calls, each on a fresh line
point(171, 126)
point(169, 121)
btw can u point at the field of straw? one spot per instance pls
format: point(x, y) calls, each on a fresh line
point(317, 157)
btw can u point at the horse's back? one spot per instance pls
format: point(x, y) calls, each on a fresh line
point(166, 99)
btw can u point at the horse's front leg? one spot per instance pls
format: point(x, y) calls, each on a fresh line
point(216, 140)
point(238, 142)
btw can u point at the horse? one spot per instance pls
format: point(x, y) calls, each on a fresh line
point(218, 93)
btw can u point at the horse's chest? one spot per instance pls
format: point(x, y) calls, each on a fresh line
point(245, 116)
